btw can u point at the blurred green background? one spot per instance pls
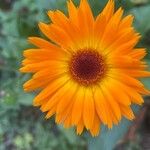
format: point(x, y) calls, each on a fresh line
point(23, 127)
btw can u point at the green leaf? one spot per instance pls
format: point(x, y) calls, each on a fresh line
point(142, 21)
point(25, 99)
point(109, 138)
point(146, 81)
point(69, 134)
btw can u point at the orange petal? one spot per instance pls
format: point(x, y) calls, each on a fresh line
point(121, 97)
point(101, 107)
point(72, 10)
point(80, 127)
point(68, 97)
point(113, 104)
point(43, 65)
point(138, 53)
point(33, 84)
point(96, 126)
point(108, 11)
point(50, 113)
point(77, 109)
point(126, 22)
point(51, 89)
point(136, 73)
point(89, 109)
point(127, 112)
point(56, 34)
point(43, 44)
point(128, 80)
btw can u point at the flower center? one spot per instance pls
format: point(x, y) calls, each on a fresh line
point(87, 67)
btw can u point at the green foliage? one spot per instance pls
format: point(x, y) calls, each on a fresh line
point(142, 24)
point(108, 138)
point(111, 136)
point(27, 129)
point(21, 126)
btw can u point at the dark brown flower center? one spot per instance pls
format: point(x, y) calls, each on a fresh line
point(87, 67)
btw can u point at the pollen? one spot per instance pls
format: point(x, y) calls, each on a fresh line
point(87, 67)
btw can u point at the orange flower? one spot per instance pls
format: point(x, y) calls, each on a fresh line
point(88, 72)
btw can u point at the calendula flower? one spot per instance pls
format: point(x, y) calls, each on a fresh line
point(88, 72)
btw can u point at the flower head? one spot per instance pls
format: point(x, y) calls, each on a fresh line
point(88, 72)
